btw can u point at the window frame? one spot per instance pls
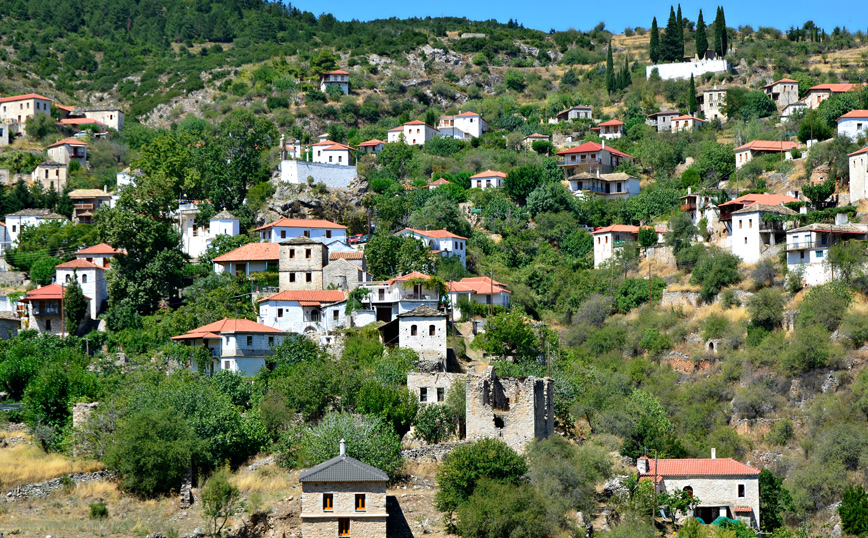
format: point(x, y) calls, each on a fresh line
point(328, 502)
point(363, 506)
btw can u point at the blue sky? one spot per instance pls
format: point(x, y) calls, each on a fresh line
point(617, 15)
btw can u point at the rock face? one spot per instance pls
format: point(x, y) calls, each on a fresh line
point(430, 453)
point(300, 201)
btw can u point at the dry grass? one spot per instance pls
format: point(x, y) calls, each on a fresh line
point(421, 469)
point(26, 464)
point(265, 480)
point(841, 59)
point(733, 315)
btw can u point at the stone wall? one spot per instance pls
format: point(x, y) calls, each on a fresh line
point(431, 453)
point(333, 175)
point(368, 524)
point(81, 411)
point(674, 299)
point(661, 255)
point(720, 491)
point(432, 382)
point(515, 410)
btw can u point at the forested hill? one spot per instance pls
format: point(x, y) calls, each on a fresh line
point(141, 50)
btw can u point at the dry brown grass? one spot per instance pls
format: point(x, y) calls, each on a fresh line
point(841, 59)
point(733, 315)
point(265, 480)
point(421, 469)
point(26, 464)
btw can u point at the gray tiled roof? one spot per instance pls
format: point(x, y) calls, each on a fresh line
point(343, 469)
point(300, 240)
point(224, 215)
point(422, 312)
point(30, 213)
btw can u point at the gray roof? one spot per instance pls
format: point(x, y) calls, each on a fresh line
point(422, 312)
point(224, 215)
point(83, 109)
point(617, 176)
point(834, 228)
point(765, 208)
point(52, 163)
point(30, 213)
point(301, 240)
point(343, 469)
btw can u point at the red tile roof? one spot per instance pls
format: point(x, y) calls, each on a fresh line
point(227, 326)
point(415, 275)
point(374, 142)
point(782, 81)
point(623, 228)
point(437, 234)
point(304, 223)
point(340, 147)
point(860, 152)
point(537, 135)
point(326, 143)
point(316, 297)
point(742, 509)
point(855, 114)
point(80, 121)
point(102, 248)
point(79, 264)
point(689, 117)
point(768, 145)
point(765, 199)
point(398, 128)
point(479, 286)
point(483, 279)
point(488, 173)
point(52, 291)
point(347, 255)
point(439, 182)
point(417, 122)
point(251, 252)
point(834, 88)
point(699, 467)
point(593, 147)
point(467, 114)
point(336, 72)
point(69, 141)
point(613, 123)
point(23, 97)
point(64, 107)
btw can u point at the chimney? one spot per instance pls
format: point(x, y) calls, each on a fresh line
point(344, 448)
point(689, 191)
point(842, 219)
point(643, 465)
point(105, 188)
point(714, 453)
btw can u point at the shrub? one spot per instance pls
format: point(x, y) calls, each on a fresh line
point(633, 293)
point(220, 500)
point(98, 510)
point(824, 305)
point(434, 424)
point(808, 350)
point(729, 299)
point(854, 511)
point(766, 308)
point(496, 510)
point(274, 103)
point(716, 270)
point(714, 326)
point(781, 432)
point(854, 326)
point(763, 274)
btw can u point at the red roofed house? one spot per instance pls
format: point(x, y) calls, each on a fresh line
point(248, 259)
point(820, 93)
point(337, 78)
point(744, 154)
point(77, 123)
point(487, 180)
point(724, 487)
point(611, 129)
point(109, 116)
point(783, 92)
point(321, 230)
point(333, 153)
point(304, 311)
point(372, 146)
point(591, 157)
point(686, 123)
point(441, 242)
point(480, 290)
point(91, 278)
point(462, 126)
point(238, 345)
point(100, 254)
point(728, 208)
point(853, 124)
point(415, 133)
point(858, 175)
point(45, 313)
point(15, 110)
point(399, 295)
point(609, 240)
point(438, 183)
point(68, 150)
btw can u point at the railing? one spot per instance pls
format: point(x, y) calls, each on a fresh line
point(239, 352)
point(419, 297)
point(771, 226)
point(691, 206)
point(801, 245)
point(620, 243)
point(81, 206)
point(51, 310)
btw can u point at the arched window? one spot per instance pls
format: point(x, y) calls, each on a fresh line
point(413, 330)
point(431, 330)
point(84, 279)
point(689, 490)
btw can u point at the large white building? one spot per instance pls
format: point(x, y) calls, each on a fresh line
point(415, 133)
point(808, 248)
point(609, 240)
point(441, 242)
point(195, 239)
point(683, 70)
point(858, 175)
point(91, 278)
point(853, 124)
point(753, 236)
point(462, 126)
point(237, 345)
point(321, 230)
point(329, 152)
point(304, 311)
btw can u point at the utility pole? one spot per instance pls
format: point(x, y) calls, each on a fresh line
point(491, 297)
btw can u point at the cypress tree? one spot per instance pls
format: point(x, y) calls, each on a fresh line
point(723, 37)
point(701, 37)
point(610, 71)
point(654, 47)
point(669, 49)
point(75, 305)
point(628, 78)
point(680, 44)
point(718, 39)
point(691, 97)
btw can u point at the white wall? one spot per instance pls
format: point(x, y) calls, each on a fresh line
point(858, 177)
point(340, 157)
point(277, 234)
point(746, 236)
point(93, 285)
point(854, 128)
point(224, 227)
point(719, 490)
point(112, 118)
point(290, 316)
point(333, 175)
point(683, 70)
point(486, 183)
point(603, 245)
point(423, 342)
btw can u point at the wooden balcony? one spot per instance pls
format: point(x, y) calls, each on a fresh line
point(688, 206)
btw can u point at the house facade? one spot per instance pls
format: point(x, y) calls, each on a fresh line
point(616, 186)
point(319, 229)
point(194, 238)
point(15, 222)
point(423, 330)
point(343, 497)
point(462, 126)
point(609, 240)
point(695, 205)
point(479, 290)
point(724, 487)
point(793, 108)
point(338, 78)
point(686, 123)
point(237, 345)
point(820, 93)
point(415, 133)
point(51, 175)
point(579, 112)
point(711, 103)
point(372, 146)
point(44, 311)
point(744, 154)
point(301, 263)
point(441, 242)
point(248, 259)
point(611, 129)
point(67, 150)
point(489, 179)
point(387, 299)
point(86, 201)
point(858, 175)
point(91, 278)
point(754, 235)
point(853, 124)
point(333, 153)
point(783, 92)
point(112, 117)
point(662, 120)
point(16, 109)
point(808, 248)
point(102, 255)
point(591, 157)
point(304, 312)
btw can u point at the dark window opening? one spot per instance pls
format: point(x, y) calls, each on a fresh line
point(423, 394)
point(441, 394)
point(741, 491)
point(498, 422)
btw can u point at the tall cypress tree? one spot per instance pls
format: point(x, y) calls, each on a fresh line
point(669, 49)
point(701, 37)
point(610, 71)
point(627, 77)
point(723, 37)
point(654, 47)
point(680, 44)
point(691, 97)
point(718, 37)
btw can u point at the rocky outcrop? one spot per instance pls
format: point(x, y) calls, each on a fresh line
point(431, 453)
point(301, 201)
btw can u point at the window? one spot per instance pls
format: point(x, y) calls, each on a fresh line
point(68, 278)
point(328, 502)
point(750, 223)
point(441, 394)
point(307, 252)
point(741, 491)
point(227, 365)
point(249, 341)
point(292, 277)
point(48, 325)
point(291, 253)
point(335, 315)
point(307, 233)
point(328, 234)
point(431, 330)
point(270, 340)
point(360, 502)
point(745, 240)
point(283, 234)
point(195, 231)
point(280, 310)
point(84, 279)
point(739, 224)
point(340, 158)
point(423, 394)
point(819, 253)
point(413, 330)
point(330, 158)
point(308, 277)
point(343, 526)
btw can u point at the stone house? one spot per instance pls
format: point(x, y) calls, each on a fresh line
point(591, 157)
point(611, 129)
point(301, 264)
point(67, 150)
point(15, 222)
point(462, 126)
point(783, 92)
point(9, 325)
point(821, 92)
point(343, 497)
point(441, 242)
point(432, 387)
point(320, 229)
point(51, 175)
point(745, 153)
point(338, 78)
point(579, 112)
point(853, 124)
point(372, 146)
point(487, 180)
point(91, 278)
point(304, 312)
point(808, 248)
point(711, 103)
point(609, 240)
point(423, 330)
point(101, 255)
point(16, 109)
point(344, 273)
point(238, 345)
point(514, 410)
point(858, 175)
point(44, 312)
point(86, 201)
point(724, 487)
point(662, 120)
point(415, 133)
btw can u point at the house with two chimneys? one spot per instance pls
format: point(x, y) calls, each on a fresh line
point(415, 133)
point(745, 153)
point(610, 240)
point(724, 487)
point(463, 126)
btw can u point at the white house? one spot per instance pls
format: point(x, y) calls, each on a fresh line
point(793, 108)
point(127, 177)
point(579, 112)
point(755, 236)
point(608, 240)
point(195, 239)
point(238, 345)
point(591, 157)
point(711, 102)
point(611, 129)
point(487, 180)
point(415, 133)
point(15, 222)
point(858, 175)
point(616, 186)
point(686, 123)
point(91, 278)
point(441, 242)
point(101, 255)
point(808, 248)
point(424, 331)
point(248, 259)
point(340, 154)
point(695, 205)
point(724, 487)
point(50, 175)
point(44, 312)
point(480, 290)
point(372, 146)
point(462, 126)
point(67, 150)
point(338, 78)
point(439, 182)
point(401, 294)
point(305, 311)
point(728, 208)
point(662, 120)
point(853, 124)
point(321, 230)
point(745, 153)
point(112, 117)
point(783, 92)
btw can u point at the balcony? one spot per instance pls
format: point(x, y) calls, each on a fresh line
point(802, 245)
point(591, 167)
point(771, 226)
point(51, 309)
point(688, 206)
point(83, 207)
point(420, 297)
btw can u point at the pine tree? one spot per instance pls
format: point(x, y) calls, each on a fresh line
point(654, 47)
point(610, 71)
point(691, 97)
point(74, 304)
point(669, 49)
point(628, 78)
point(701, 37)
point(680, 43)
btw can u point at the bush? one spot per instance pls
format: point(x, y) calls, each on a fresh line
point(434, 424)
point(273, 103)
point(824, 305)
point(715, 271)
point(809, 349)
point(763, 274)
point(496, 510)
point(98, 510)
point(854, 326)
point(633, 293)
point(714, 326)
point(781, 432)
point(766, 308)
point(854, 511)
point(220, 500)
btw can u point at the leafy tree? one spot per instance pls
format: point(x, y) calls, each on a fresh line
point(745, 104)
point(681, 233)
point(42, 271)
point(56, 239)
point(775, 501)
point(570, 78)
point(74, 303)
point(766, 308)
point(824, 305)
point(819, 193)
point(809, 349)
point(633, 292)
point(507, 334)
point(233, 385)
point(521, 181)
point(542, 147)
point(567, 474)
point(222, 244)
point(220, 500)
point(495, 510)
point(854, 511)
point(392, 403)
point(714, 271)
point(847, 260)
point(39, 126)
point(296, 348)
point(440, 212)
point(701, 37)
point(550, 198)
point(434, 424)
point(654, 45)
point(669, 47)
